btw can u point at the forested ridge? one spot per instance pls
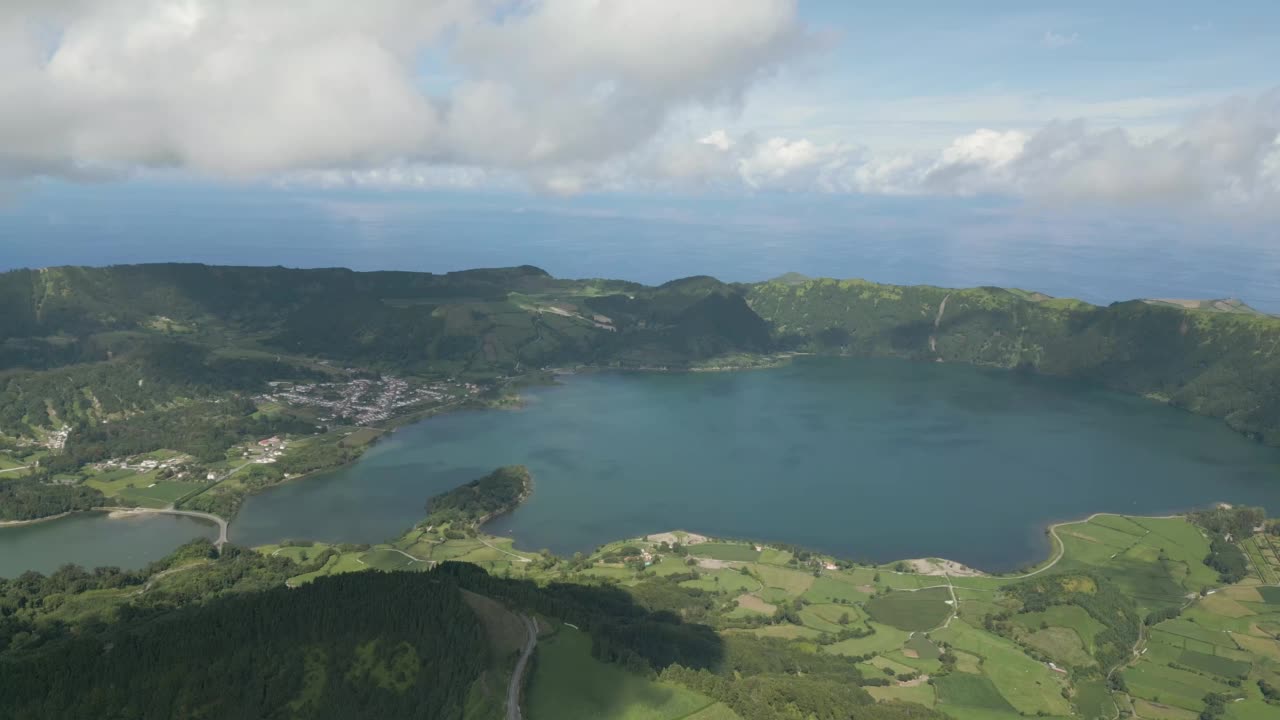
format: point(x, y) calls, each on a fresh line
point(1221, 364)
point(103, 325)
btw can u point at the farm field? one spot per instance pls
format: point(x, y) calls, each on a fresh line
point(1156, 561)
point(916, 610)
point(162, 493)
point(7, 463)
point(1093, 700)
point(1223, 642)
point(360, 437)
point(739, 552)
point(113, 482)
point(1019, 646)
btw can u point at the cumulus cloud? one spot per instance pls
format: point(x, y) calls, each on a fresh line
point(565, 96)
point(246, 88)
point(1227, 155)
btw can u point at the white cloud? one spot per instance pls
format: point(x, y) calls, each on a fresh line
point(564, 96)
point(1056, 40)
point(790, 164)
point(1226, 156)
point(718, 139)
point(246, 88)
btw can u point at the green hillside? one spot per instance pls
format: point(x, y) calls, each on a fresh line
point(131, 338)
point(1210, 362)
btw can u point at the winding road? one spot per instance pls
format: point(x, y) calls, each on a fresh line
point(1061, 548)
point(488, 544)
point(522, 665)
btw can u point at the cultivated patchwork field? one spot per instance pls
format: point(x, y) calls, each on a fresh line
point(1126, 618)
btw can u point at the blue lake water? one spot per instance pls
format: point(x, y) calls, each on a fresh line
point(868, 459)
point(95, 539)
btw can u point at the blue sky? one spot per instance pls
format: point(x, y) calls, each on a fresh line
point(1139, 64)
point(159, 130)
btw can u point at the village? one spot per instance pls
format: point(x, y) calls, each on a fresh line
point(364, 401)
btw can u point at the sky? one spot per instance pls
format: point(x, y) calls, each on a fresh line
point(1134, 126)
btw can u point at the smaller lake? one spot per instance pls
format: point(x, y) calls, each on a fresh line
point(866, 459)
point(93, 540)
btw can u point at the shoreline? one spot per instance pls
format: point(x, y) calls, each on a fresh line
point(524, 495)
point(36, 521)
point(118, 512)
point(766, 361)
point(963, 571)
point(515, 400)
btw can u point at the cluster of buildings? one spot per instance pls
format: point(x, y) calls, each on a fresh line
point(646, 556)
point(364, 401)
point(145, 464)
point(57, 439)
point(268, 450)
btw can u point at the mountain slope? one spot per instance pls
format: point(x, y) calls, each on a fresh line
point(498, 321)
point(1214, 363)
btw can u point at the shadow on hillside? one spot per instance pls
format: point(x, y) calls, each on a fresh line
point(621, 630)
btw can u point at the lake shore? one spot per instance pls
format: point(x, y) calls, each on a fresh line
point(616, 454)
point(34, 521)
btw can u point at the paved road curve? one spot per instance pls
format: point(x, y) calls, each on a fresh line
point(222, 524)
point(517, 676)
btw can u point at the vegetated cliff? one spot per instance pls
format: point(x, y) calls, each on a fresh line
point(1222, 364)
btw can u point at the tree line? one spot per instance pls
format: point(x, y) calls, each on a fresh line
point(371, 645)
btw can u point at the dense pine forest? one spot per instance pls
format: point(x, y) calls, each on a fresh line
point(373, 646)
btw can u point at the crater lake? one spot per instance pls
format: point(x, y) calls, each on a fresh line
point(866, 459)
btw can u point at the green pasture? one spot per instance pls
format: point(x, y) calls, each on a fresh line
point(1093, 700)
point(971, 691)
point(1061, 644)
point(832, 588)
point(725, 551)
point(386, 559)
point(1028, 685)
point(921, 694)
point(794, 582)
point(1170, 686)
point(1072, 617)
point(163, 494)
point(919, 610)
point(1215, 664)
point(922, 647)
